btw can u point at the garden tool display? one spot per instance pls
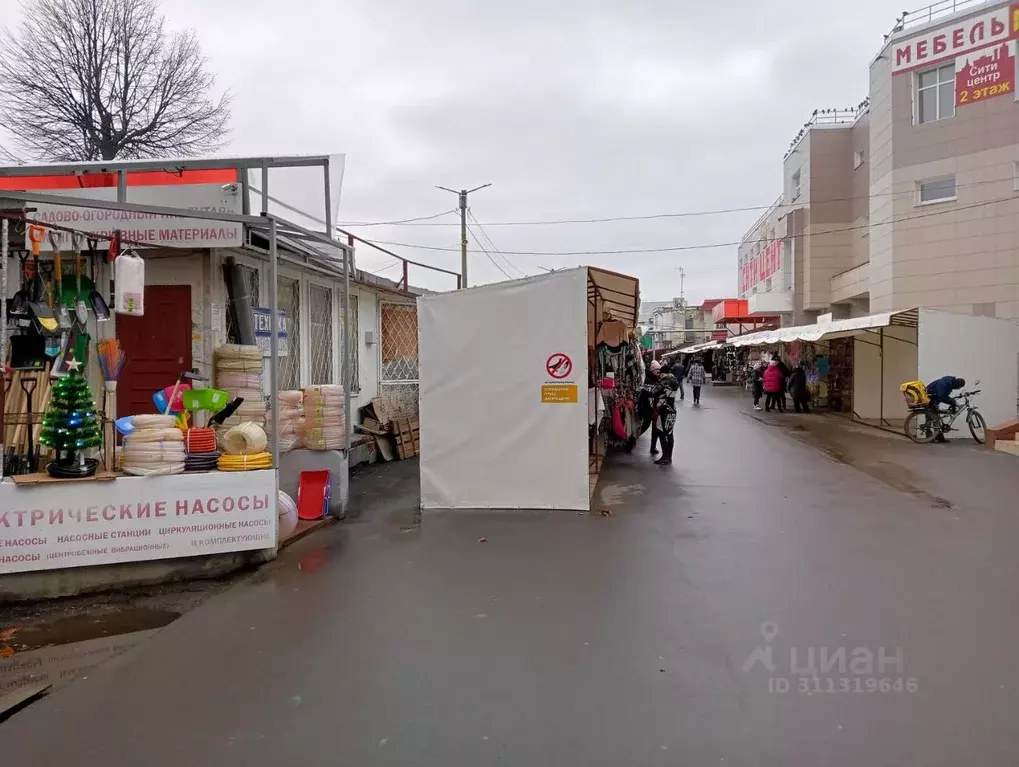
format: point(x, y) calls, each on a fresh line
point(189, 375)
point(60, 307)
point(229, 410)
point(28, 352)
point(80, 307)
point(43, 314)
point(99, 305)
point(199, 401)
point(19, 303)
point(33, 456)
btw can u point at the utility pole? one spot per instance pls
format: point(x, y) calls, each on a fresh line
point(682, 279)
point(462, 194)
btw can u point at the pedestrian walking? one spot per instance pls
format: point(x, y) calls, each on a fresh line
point(697, 377)
point(757, 383)
point(798, 389)
point(679, 370)
point(772, 381)
point(650, 393)
point(784, 369)
point(665, 418)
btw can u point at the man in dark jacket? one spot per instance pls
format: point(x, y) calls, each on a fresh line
point(646, 402)
point(798, 389)
point(665, 417)
point(757, 383)
point(940, 392)
point(679, 370)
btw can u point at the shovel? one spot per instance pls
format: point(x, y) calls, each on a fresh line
point(80, 307)
point(99, 305)
point(43, 314)
point(60, 307)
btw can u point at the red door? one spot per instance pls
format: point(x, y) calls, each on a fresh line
point(157, 346)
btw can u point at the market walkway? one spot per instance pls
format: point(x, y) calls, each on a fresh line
point(665, 634)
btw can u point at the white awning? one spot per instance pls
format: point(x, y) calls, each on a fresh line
point(827, 330)
point(694, 349)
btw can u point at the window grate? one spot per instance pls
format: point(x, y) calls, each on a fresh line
point(350, 339)
point(320, 335)
point(289, 300)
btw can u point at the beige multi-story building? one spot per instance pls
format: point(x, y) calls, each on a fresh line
point(675, 324)
point(912, 198)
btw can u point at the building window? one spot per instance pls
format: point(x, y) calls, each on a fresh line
point(796, 184)
point(320, 335)
point(350, 339)
point(935, 93)
point(857, 159)
point(935, 190)
point(252, 289)
point(288, 299)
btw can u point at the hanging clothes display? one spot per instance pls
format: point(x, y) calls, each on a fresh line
point(619, 373)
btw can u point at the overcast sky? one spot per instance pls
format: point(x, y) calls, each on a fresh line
point(571, 109)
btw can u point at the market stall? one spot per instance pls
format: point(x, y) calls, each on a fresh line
point(524, 387)
point(192, 473)
point(855, 366)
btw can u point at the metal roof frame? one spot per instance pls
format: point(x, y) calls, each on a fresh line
point(266, 220)
point(170, 165)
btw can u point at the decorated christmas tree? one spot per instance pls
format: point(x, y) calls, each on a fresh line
point(71, 425)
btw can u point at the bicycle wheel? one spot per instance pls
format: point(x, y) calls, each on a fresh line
point(977, 426)
point(922, 426)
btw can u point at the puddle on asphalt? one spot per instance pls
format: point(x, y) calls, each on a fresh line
point(893, 475)
point(61, 650)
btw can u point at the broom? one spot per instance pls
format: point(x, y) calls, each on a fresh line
point(111, 362)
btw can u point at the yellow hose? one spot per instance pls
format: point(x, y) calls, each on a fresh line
point(245, 462)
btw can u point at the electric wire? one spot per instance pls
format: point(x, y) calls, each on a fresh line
point(495, 248)
point(396, 223)
point(680, 214)
point(494, 262)
point(706, 246)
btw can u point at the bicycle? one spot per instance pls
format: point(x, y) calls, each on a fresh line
point(923, 425)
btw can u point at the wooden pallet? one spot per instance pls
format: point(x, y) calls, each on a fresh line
point(407, 436)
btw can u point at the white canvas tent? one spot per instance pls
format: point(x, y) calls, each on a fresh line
point(917, 344)
point(504, 380)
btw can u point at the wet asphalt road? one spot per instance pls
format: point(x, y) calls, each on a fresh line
point(571, 639)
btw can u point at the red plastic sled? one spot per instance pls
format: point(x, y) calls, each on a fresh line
point(313, 494)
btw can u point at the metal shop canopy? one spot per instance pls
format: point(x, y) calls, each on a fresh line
point(695, 349)
point(823, 331)
point(736, 311)
point(915, 344)
point(619, 294)
point(321, 247)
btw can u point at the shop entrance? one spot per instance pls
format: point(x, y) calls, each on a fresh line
point(157, 346)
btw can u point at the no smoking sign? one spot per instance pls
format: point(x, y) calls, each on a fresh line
point(559, 365)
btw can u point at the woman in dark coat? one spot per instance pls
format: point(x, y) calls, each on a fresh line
point(798, 389)
point(785, 384)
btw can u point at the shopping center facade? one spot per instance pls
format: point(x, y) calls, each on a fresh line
point(912, 197)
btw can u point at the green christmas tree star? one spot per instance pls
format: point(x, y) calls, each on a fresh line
point(71, 423)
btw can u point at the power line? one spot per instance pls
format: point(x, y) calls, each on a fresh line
point(681, 214)
point(676, 248)
point(401, 221)
point(462, 207)
point(494, 262)
point(494, 247)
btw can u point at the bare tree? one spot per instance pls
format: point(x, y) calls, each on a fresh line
point(102, 79)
